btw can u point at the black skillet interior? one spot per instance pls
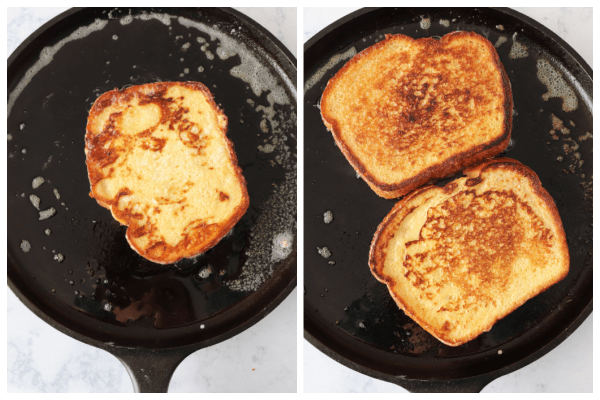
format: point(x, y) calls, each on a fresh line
point(103, 290)
point(351, 316)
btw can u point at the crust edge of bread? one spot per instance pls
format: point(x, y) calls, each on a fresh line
point(376, 259)
point(241, 209)
point(437, 171)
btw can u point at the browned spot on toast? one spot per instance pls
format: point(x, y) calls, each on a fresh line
point(223, 196)
point(154, 144)
point(101, 147)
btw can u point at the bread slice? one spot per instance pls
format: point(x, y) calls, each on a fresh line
point(459, 258)
point(158, 157)
point(407, 111)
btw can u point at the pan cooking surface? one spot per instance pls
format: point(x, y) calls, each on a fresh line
point(102, 288)
point(351, 313)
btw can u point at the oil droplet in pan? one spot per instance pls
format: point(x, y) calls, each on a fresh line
point(37, 182)
point(328, 217)
point(324, 252)
point(205, 273)
point(25, 246)
point(282, 246)
point(35, 201)
point(47, 213)
point(126, 20)
point(267, 148)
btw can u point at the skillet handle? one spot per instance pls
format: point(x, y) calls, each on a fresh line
point(150, 370)
point(467, 385)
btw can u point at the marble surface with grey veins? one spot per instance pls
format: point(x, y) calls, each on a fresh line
point(567, 368)
point(260, 359)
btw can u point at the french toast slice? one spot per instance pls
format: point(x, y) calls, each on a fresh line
point(407, 111)
point(459, 258)
point(159, 158)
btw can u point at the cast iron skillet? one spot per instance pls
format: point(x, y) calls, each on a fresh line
point(103, 293)
point(348, 314)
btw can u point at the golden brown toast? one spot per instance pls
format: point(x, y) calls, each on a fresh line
point(459, 258)
point(158, 157)
point(407, 111)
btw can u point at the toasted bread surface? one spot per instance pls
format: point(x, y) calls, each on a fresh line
point(158, 157)
point(459, 258)
point(407, 111)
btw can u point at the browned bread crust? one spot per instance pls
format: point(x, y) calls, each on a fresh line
point(462, 293)
point(383, 141)
point(113, 147)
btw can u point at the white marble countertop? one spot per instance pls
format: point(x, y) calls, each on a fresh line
point(567, 368)
point(260, 359)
